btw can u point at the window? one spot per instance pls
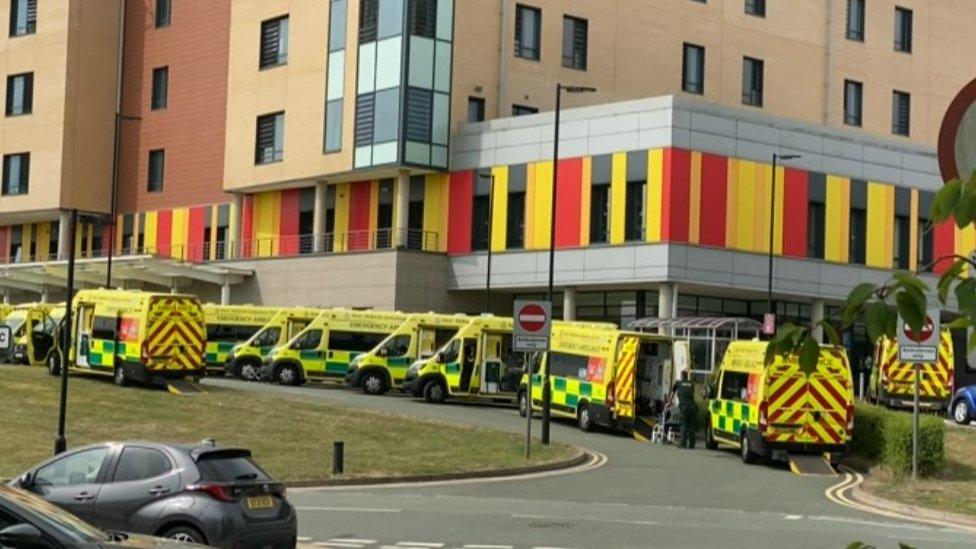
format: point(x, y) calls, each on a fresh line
point(480, 212)
point(855, 20)
point(901, 109)
point(336, 76)
point(522, 110)
point(735, 386)
point(816, 218)
point(476, 109)
point(139, 463)
point(902, 237)
point(23, 17)
point(756, 7)
point(397, 346)
point(575, 32)
point(422, 18)
point(270, 139)
point(853, 102)
point(903, 30)
point(20, 94)
point(274, 42)
point(309, 341)
point(267, 337)
point(515, 229)
point(157, 165)
point(926, 240)
point(164, 12)
point(528, 31)
point(160, 87)
point(600, 200)
point(693, 69)
point(571, 366)
point(752, 82)
point(859, 231)
point(78, 468)
point(105, 328)
point(229, 467)
point(635, 200)
point(358, 342)
point(16, 173)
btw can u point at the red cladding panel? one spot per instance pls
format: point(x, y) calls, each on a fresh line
point(943, 244)
point(568, 203)
point(675, 197)
point(195, 229)
point(359, 215)
point(164, 232)
point(795, 213)
point(5, 246)
point(460, 204)
point(288, 222)
point(247, 225)
point(714, 195)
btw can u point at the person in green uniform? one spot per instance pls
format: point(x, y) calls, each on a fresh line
point(684, 389)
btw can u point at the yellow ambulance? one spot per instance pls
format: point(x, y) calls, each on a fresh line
point(244, 359)
point(228, 325)
point(385, 366)
point(766, 409)
point(137, 336)
point(605, 376)
point(16, 320)
point(892, 382)
point(39, 336)
point(325, 348)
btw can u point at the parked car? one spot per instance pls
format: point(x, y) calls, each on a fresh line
point(963, 406)
point(27, 521)
point(201, 494)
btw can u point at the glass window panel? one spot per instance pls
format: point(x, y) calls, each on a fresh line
point(391, 18)
point(441, 125)
point(367, 67)
point(333, 126)
point(418, 153)
point(283, 40)
point(438, 156)
point(364, 156)
point(337, 25)
point(442, 67)
point(388, 63)
point(337, 71)
point(421, 62)
point(388, 113)
point(445, 19)
point(384, 153)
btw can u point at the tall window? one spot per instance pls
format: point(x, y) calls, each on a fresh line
point(157, 167)
point(415, 212)
point(528, 32)
point(270, 139)
point(634, 218)
point(23, 17)
point(16, 173)
point(274, 42)
point(901, 113)
point(902, 234)
point(522, 110)
point(384, 214)
point(859, 231)
point(481, 209)
point(20, 94)
point(855, 20)
point(335, 88)
point(164, 12)
point(926, 238)
point(515, 231)
point(756, 7)
point(752, 81)
point(600, 200)
point(693, 69)
point(160, 88)
point(816, 217)
point(853, 102)
point(575, 32)
point(903, 30)
point(476, 109)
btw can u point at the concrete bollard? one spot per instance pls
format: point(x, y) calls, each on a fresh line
point(338, 457)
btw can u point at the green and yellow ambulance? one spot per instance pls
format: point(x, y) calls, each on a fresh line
point(244, 359)
point(385, 366)
point(325, 348)
point(39, 335)
point(228, 325)
point(17, 319)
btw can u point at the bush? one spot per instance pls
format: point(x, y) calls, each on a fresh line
point(885, 436)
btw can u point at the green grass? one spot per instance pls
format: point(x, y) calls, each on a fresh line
point(291, 437)
point(953, 489)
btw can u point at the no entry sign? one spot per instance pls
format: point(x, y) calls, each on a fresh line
point(532, 325)
point(957, 137)
point(919, 345)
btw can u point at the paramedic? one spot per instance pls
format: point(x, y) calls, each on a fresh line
point(684, 389)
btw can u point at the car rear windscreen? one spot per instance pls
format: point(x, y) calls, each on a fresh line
point(229, 468)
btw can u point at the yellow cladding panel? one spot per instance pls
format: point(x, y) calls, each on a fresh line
point(341, 216)
point(543, 203)
point(618, 198)
point(780, 199)
point(913, 233)
point(179, 232)
point(586, 191)
point(838, 219)
point(374, 207)
point(880, 220)
point(436, 189)
point(149, 239)
point(499, 218)
point(965, 243)
point(694, 198)
point(655, 186)
point(732, 205)
point(267, 208)
point(746, 212)
point(43, 239)
point(760, 228)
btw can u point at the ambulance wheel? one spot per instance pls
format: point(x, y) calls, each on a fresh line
point(248, 370)
point(960, 413)
point(434, 392)
point(710, 442)
point(584, 417)
point(374, 383)
point(53, 364)
point(120, 378)
point(523, 403)
point(288, 375)
point(748, 456)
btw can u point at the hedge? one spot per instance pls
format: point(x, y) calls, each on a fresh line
point(885, 436)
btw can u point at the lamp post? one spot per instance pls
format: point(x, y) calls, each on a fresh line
point(119, 117)
point(772, 223)
point(546, 388)
point(488, 229)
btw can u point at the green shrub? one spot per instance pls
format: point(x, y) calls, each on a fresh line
point(885, 436)
point(868, 438)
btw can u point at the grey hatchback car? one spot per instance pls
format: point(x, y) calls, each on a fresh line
point(202, 494)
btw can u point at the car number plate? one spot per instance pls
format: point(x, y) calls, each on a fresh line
point(260, 502)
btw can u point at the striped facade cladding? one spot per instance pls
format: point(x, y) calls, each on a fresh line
point(189, 234)
point(39, 241)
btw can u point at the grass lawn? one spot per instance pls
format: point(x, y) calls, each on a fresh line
point(290, 437)
point(953, 490)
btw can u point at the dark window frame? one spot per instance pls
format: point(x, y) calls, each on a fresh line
point(756, 8)
point(523, 110)
point(855, 20)
point(261, 145)
point(271, 53)
point(530, 52)
point(852, 118)
point(479, 104)
point(578, 42)
point(30, 22)
point(156, 156)
point(164, 13)
point(696, 86)
point(901, 113)
point(753, 95)
point(27, 106)
point(160, 88)
point(23, 186)
point(904, 29)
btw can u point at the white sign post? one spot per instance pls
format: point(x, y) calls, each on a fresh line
point(5, 338)
point(919, 347)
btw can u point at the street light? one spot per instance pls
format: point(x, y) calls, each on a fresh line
point(546, 388)
point(772, 222)
point(119, 117)
point(488, 230)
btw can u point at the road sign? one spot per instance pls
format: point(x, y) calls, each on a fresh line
point(5, 338)
point(957, 137)
point(532, 326)
point(922, 345)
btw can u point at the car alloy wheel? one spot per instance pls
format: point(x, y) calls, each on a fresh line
point(373, 384)
point(435, 392)
point(523, 404)
point(960, 412)
point(247, 372)
point(287, 375)
point(585, 420)
point(119, 376)
point(182, 537)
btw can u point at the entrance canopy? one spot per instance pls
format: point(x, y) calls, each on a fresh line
point(708, 336)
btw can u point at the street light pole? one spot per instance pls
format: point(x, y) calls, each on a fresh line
point(60, 443)
point(489, 229)
point(546, 386)
point(772, 227)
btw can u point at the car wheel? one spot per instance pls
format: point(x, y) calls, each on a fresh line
point(584, 417)
point(434, 392)
point(288, 375)
point(710, 442)
point(248, 371)
point(184, 534)
point(523, 403)
point(960, 412)
point(747, 454)
point(374, 383)
point(120, 378)
point(54, 364)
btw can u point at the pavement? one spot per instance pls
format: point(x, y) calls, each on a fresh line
point(645, 495)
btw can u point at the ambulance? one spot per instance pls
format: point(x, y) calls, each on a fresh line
point(244, 359)
point(15, 319)
point(325, 348)
point(385, 366)
point(892, 382)
point(137, 336)
point(36, 345)
point(228, 325)
point(600, 375)
point(766, 411)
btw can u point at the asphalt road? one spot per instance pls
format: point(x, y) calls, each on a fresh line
point(646, 495)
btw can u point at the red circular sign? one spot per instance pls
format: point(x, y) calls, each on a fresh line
point(957, 129)
point(532, 318)
point(924, 335)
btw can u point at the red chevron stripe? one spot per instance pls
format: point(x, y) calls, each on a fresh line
point(783, 389)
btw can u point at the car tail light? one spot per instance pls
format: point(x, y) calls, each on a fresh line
point(763, 416)
point(850, 418)
point(611, 394)
point(219, 492)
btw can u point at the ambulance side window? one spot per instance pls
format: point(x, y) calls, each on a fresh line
point(398, 346)
point(450, 354)
point(734, 385)
point(309, 340)
point(443, 335)
point(104, 328)
point(268, 337)
point(571, 366)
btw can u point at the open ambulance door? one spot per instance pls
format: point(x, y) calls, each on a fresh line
point(40, 336)
point(624, 376)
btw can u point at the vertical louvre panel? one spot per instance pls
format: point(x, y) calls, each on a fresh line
point(423, 18)
point(365, 111)
point(266, 149)
point(31, 16)
point(419, 114)
point(270, 36)
point(368, 20)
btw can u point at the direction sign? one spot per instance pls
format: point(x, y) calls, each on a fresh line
point(922, 345)
point(5, 338)
point(532, 326)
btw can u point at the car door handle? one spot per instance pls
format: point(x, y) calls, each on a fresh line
point(84, 496)
point(158, 491)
